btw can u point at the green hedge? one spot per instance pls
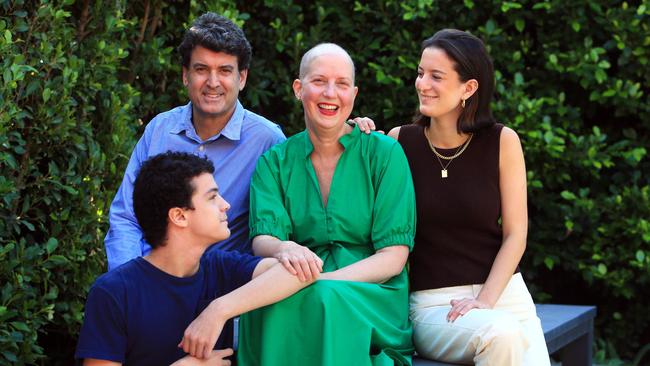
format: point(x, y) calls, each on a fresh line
point(79, 80)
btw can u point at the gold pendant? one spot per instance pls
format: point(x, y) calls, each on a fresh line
point(443, 173)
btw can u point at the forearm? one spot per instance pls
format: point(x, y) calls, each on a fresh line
point(385, 264)
point(269, 246)
point(502, 269)
point(269, 287)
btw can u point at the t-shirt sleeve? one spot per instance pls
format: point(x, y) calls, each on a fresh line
point(394, 211)
point(268, 216)
point(234, 269)
point(103, 333)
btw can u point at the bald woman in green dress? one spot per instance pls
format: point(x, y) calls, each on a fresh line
point(335, 205)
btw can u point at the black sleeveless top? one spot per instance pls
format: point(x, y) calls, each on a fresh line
point(458, 229)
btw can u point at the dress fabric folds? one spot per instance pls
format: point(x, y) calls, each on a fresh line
point(370, 206)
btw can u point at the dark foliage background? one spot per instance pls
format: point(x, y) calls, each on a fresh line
point(81, 78)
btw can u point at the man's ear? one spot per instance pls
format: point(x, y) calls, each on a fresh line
point(243, 75)
point(177, 216)
point(185, 79)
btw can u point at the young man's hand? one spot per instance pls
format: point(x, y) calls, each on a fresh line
point(214, 358)
point(201, 335)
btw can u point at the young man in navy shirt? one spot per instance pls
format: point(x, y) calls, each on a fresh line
point(170, 306)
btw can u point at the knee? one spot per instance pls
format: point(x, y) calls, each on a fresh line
point(503, 335)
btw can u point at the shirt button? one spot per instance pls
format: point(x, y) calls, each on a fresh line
point(201, 148)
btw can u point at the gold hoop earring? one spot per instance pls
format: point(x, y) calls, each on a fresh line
point(462, 104)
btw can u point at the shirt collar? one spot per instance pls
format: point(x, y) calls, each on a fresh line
point(232, 130)
point(347, 140)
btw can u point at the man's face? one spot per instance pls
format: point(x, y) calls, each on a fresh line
point(208, 220)
point(213, 82)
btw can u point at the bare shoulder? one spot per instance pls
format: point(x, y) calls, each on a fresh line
point(510, 148)
point(509, 140)
point(394, 132)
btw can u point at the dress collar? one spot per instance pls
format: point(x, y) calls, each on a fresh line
point(347, 140)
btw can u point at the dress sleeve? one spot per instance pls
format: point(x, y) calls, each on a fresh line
point(394, 212)
point(103, 334)
point(268, 215)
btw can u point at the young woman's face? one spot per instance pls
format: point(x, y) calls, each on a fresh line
point(438, 85)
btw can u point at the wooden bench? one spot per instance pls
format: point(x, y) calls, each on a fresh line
point(568, 330)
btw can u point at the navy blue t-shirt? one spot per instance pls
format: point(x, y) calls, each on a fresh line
point(136, 314)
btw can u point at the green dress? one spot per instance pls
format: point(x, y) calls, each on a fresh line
point(371, 205)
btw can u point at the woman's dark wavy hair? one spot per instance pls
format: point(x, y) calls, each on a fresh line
point(219, 34)
point(471, 61)
point(165, 181)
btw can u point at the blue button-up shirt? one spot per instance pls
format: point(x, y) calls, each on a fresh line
point(234, 152)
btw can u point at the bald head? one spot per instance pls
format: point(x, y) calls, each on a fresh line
point(320, 50)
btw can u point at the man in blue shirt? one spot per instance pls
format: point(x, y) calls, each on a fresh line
point(215, 58)
point(145, 311)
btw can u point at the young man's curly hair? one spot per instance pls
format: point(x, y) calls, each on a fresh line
point(165, 181)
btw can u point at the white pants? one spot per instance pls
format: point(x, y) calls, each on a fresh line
point(509, 334)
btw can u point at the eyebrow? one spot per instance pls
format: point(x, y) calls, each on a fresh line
point(434, 70)
point(212, 190)
point(221, 67)
point(323, 76)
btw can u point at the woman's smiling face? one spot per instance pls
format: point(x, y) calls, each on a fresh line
point(438, 85)
point(327, 90)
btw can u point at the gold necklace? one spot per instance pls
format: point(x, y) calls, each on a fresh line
point(459, 150)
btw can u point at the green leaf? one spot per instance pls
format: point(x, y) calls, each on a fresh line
point(490, 26)
point(20, 326)
point(8, 37)
point(520, 24)
point(58, 260)
point(51, 245)
point(549, 263)
point(10, 356)
point(28, 225)
point(576, 26)
point(70, 190)
point(568, 195)
point(519, 79)
point(602, 269)
point(640, 255)
point(609, 93)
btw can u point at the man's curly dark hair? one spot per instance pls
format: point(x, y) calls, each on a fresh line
point(165, 181)
point(219, 34)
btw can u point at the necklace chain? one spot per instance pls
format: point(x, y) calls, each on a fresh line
point(451, 158)
point(459, 151)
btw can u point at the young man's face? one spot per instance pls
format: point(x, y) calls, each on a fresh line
point(213, 82)
point(208, 219)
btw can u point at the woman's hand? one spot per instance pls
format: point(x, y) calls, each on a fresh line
point(365, 124)
point(300, 261)
point(460, 307)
